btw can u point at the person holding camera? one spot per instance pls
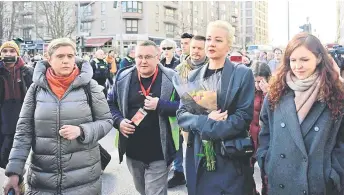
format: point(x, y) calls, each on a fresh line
point(15, 79)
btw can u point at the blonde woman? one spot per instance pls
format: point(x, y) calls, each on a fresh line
point(230, 121)
point(169, 59)
point(61, 121)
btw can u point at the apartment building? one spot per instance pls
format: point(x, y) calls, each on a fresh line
point(133, 21)
point(340, 22)
point(103, 24)
point(254, 22)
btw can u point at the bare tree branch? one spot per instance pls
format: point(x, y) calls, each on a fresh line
point(14, 19)
point(58, 18)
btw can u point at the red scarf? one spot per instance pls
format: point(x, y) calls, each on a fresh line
point(58, 84)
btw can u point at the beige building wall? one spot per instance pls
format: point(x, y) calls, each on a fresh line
point(254, 22)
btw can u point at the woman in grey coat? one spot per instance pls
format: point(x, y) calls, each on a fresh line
point(61, 127)
point(301, 142)
point(235, 98)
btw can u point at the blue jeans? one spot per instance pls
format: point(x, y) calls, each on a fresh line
point(178, 161)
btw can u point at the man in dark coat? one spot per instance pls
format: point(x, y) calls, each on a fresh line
point(143, 105)
point(15, 79)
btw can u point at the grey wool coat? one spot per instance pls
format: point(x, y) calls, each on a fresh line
point(236, 96)
point(301, 159)
point(60, 166)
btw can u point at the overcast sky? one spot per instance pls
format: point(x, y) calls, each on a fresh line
point(322, 16)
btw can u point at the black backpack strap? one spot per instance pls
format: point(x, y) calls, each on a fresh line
point(35, 89)
point(87, 89)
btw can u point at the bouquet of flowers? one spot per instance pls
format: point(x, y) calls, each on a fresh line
point(200, 97)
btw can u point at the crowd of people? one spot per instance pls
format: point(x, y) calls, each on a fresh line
point(282, 109)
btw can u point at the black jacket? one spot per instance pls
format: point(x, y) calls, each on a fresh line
point(174, 62)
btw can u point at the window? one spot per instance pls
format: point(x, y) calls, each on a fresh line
point(169, 28)
point(248, 4)
point(248, 30)
point(103, 7)
point(223, 17)
point(103, 24)
point(86, 10)
point(132, 6)
point(248, 13)
point(170, 14)
point(27, 19)
point(248, 21)
point(26, 33)
point(131, 26)
point(157, 26)
point(40, 31)
point(27, 5)
point(86, 26)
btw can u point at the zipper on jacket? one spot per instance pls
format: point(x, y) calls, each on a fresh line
point(59, 166)
point(59, 179)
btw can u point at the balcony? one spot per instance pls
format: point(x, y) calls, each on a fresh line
point(132, 15)
point(171, 4)
point(27, 23)
point(87, 18)
point(169, 34)
point(27, 12)
point(170, 20)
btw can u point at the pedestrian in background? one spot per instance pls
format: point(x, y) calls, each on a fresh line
point(262, 74)
point(301, 141)
point(168, 48)
point(15, 80)
point(129, 59)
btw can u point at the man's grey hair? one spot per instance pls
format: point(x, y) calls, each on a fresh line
point(149, 43)
point(130, 48)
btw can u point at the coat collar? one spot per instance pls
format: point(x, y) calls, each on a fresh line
point(125, 78)
point(312, 117)
point(290, 120)
point(82, 79)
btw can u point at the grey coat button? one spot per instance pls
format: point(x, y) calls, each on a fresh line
point(316, 128)
point(283, 125)
point(281, 186)
point(282, 156)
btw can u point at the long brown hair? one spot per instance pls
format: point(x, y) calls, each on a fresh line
point(331, 88)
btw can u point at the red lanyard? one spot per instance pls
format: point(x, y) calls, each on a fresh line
point(144, 91)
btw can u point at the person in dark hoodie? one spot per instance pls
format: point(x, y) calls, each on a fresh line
point(169, 59)
point(15, 79)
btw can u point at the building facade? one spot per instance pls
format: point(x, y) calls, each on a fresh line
point(105, 24)
point(254, 22)
point(133, 21)
point(340, 22)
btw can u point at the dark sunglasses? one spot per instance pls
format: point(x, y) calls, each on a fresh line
point(168, 48)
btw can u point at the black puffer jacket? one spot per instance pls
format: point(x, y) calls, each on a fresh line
point(60, 166)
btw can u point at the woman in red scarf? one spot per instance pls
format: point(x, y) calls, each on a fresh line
point(61, 127)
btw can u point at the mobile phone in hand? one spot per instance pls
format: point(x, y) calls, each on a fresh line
point(11, 192)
